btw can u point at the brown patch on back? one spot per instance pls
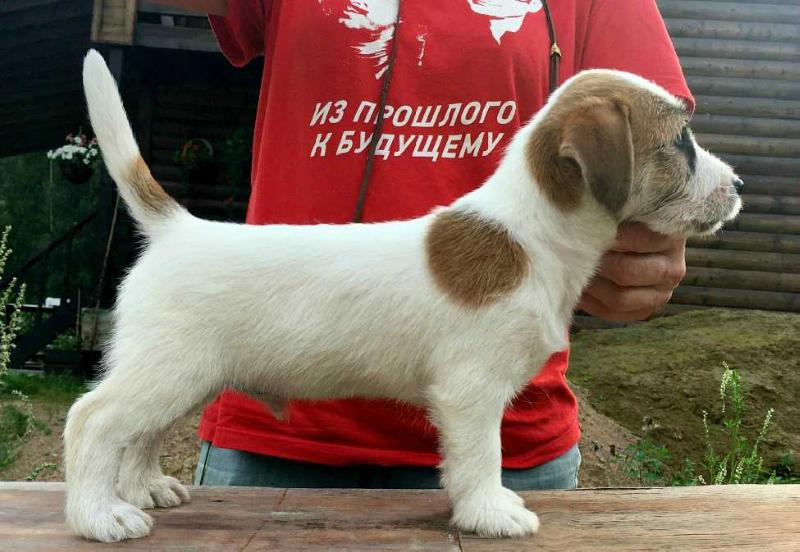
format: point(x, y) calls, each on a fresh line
point(472, 260)
point(151, 195)
point(584, 105)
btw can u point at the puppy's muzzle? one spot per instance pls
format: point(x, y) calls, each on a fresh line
point(738, 185)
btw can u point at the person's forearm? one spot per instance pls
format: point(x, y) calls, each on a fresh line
point(213, 7)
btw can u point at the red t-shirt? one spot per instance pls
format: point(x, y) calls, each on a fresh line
point(467, 75)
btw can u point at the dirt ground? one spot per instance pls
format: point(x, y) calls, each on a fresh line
point(659, 375)
point(179, 456)
point(657, 378)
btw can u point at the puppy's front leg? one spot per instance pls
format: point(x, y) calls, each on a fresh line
point(469, 428)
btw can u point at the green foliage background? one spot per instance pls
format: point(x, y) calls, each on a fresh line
point(41, 205)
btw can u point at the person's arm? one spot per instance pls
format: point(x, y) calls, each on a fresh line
point(639, 274)
point(211, 7)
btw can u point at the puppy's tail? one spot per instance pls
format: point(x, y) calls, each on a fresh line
point(149, 204)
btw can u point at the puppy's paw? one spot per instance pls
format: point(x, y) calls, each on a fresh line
point(161, 491)
point(168, 492)
point(115, 522)
point(498, 514)
point(513, 497)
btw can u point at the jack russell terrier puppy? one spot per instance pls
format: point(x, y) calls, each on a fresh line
point(454, 311)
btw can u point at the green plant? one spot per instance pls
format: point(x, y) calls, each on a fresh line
point(11, 303)
point(647, 461)
point(786, 469)
point(15, 422)
point(741, 462)
point(45, 466)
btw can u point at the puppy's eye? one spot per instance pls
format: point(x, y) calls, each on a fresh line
point(683, 141)
point(686, 146)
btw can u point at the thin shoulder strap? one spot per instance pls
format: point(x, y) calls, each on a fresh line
point(555, 58)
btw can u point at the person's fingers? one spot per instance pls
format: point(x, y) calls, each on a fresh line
point(635, 237)
point(594, 307)
point(629, 299)
point(654, 269)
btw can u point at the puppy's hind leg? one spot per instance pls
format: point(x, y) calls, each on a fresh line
point(141, 481)
point(469, 427)
point(92, 458)
point(135, 401)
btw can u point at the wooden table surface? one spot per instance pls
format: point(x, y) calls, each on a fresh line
point(746, 517)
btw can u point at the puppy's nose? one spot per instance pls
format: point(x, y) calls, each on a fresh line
point(738, 185)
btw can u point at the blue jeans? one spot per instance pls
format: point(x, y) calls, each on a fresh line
point(219, 466)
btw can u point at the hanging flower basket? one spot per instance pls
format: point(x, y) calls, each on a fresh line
point(77, 158)
point(77, 173)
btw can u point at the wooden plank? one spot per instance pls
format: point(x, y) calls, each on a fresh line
point(114, 21)
point(786, 205)
point(750, 145)
point(730, 11)
point(749, 126)
point(744, 87)
point(743, 49)
point(189, 115)
point(676, 518)
point(778, 166)
point(737, 298)
point(29, 93)
point(168, 131)
point(749, 241)
point(749, 107)
point(11, 6)
point(144, 120)
point(777, 185)
point(193, 94)
point(735, 30)
point(130, 20)
point(743, 260)
point(38, 17)
point(763, 517)
point(97, 20)
point(704, 65)
point(741, 279)
point(45, 56)
point(358, 520)
point(14, 54)
point(176, 38)
point(757, 222)
point(153, 7)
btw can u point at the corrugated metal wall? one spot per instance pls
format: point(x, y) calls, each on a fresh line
point(742, 61)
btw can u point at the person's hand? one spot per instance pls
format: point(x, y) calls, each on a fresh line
point(637, 276)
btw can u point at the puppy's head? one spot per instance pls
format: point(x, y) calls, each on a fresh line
point(624, 143)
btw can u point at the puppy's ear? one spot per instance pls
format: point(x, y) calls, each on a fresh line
point(598, 138)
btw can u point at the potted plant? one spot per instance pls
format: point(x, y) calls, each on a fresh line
point(77, 158)
point(196, 159)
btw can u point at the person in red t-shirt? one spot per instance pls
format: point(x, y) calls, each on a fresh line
point(465, 75)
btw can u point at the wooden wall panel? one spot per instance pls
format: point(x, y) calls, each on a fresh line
point(742, 62)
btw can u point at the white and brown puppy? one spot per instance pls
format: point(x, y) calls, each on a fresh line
point(455, 311)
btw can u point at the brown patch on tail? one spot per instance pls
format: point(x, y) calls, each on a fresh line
point(152, 196)
point(472, 260)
